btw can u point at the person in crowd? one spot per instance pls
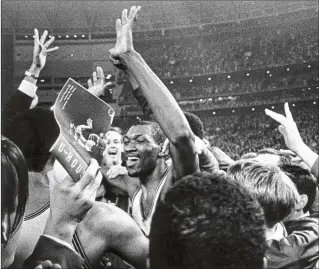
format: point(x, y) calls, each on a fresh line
point(279, 198)
point(289, 130)
point(68, 208)
point(200, 225)
point(143, 142)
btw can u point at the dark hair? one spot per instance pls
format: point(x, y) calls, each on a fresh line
point(267, 183)
point(156, 130)
point(34, 132)
point(304, 181)
point(195, 123)
point(207, 221)
point(14, 182)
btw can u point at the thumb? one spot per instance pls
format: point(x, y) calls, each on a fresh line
point(282, 130)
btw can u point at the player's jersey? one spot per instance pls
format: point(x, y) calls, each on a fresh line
point(137, 214)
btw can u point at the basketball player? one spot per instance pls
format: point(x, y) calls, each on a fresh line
point(143, 142)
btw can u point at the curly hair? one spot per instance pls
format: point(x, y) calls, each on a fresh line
point(157, 132)
point(207, 221)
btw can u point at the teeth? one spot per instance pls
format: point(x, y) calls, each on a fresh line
point(132, 159)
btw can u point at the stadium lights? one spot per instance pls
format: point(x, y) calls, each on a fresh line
point(309, 88)
point(272, 107)
point(309, 66)
point(293, 105)
point(268, 71)
point(247, 74)
point(214, 112)
point(233, 111)
point(172, 82)
point(228, 76)
point(314, 102)
point(59, 36)
point(288, 69)
point(75, 36)
point(108, 76)
point(209, 78)
point(190, 80)
point(42, 80)
point(253, 109)
point(83, 35)
point(26, 36)
point(270, 75)
point(67, 36)
point(50, 36)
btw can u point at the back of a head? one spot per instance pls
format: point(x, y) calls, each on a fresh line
point(274, 156)
point(275, 192)
point(14, 183)
point(207, 221)
point(195, 123)
point(304, 181)
point(34, 132)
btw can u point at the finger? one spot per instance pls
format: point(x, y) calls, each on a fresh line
point(43, 37)
point(56, 266)
point(114, 61)
point(275, 116)
point(52, 49)
point(89, 174)
point(282, 129)
point(165, 145)
point(36, 36)
point(49, 42)
point(100, 74)
point(39, 267)
point(95, 183)
point(135, 15)
point(118, 25)
point(124, 16)
point(46, 264)
point(287, 112)
point(94, 78)
point(90, 83)
point(131, 13)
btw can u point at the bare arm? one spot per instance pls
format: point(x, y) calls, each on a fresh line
point(165, 108)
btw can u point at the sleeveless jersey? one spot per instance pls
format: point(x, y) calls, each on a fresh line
point(137, 214)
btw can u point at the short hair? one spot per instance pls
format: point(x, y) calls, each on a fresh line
point(269, 185)
point(284, 158)
point(304, 181)
point(156, 130)
point(34, 132)
point(207, 221)
point(14, 182)
point(195, 123)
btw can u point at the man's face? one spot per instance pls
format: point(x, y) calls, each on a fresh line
point(114, 147)
point(141, 151)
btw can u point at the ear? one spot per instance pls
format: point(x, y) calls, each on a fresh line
point(265, 263)
point(4, 228)
point(302, 202)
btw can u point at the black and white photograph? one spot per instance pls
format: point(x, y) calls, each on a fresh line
point(159, 134)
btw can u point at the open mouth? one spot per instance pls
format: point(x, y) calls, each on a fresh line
point(131, 160)
point(112, 151)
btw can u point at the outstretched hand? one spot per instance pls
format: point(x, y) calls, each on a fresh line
point(124, 37)
point(98, 86)
point(287, 128)
point(40, 51)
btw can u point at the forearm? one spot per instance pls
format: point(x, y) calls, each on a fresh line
point(208, 162)
point(166, 110)
point(309, 157)
point(147, 111)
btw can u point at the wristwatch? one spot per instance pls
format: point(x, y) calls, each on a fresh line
point(28, 73)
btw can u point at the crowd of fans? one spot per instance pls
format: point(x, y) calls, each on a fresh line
point(166, 194)
point(240, 134)
point(186, 58)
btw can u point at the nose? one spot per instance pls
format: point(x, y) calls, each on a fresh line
point(129, 148)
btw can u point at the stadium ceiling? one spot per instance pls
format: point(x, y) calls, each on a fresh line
point(64, 16)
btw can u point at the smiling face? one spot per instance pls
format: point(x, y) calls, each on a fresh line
point(141, 151)
point(114, 147)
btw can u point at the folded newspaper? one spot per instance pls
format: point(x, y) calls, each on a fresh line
point(82, 118)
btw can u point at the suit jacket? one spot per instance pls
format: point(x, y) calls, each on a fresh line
point(49, 249)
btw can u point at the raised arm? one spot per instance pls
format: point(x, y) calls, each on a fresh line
point(22, 99)
point(289, 130)
point(165, 108)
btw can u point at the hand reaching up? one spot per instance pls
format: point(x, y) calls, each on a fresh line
point(98, 86)
point(124, 37)
point(287, 128)
point(40, 51)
